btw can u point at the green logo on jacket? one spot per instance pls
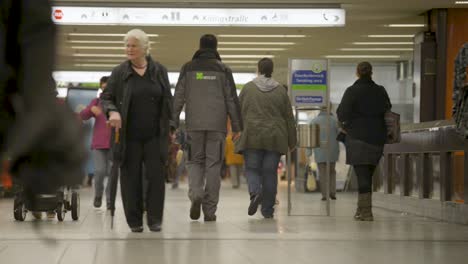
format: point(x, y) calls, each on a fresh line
point(201, 76)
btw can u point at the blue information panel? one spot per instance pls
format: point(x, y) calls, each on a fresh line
point(308, 82)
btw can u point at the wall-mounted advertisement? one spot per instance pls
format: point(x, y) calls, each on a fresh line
point(308, 82)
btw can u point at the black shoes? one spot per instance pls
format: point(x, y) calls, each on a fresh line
point(155, 228)
point(137, 229)
point(210, 218)
point(254, 202)
point(332, 197)
point(195, 210)
point(97, 202)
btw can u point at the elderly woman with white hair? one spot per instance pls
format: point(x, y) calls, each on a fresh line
point(138, 104)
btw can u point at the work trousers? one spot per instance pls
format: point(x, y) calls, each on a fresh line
point(205, 153)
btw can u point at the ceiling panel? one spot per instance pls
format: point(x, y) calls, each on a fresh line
point(176, 45)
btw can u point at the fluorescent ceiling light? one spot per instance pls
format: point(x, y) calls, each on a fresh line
point(99, 55)
point(244, 66)
point(256, 43)
point(240, 61)
point(99, 65)
point(461, 2)
point(94, 76)
point(252, 49)
point(262, 36)
point(382, 43)
point(259, 56)
point(97, 47)
point(406, 25)
point(239, 17)
point(105, 35)
point(376, 49)
point(390, 36)
point(97, 60)
point(101, 42)
point(363, 56)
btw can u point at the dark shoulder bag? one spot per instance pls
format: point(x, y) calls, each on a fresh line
point(392, 121)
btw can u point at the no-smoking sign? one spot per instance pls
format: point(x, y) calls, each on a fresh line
point(58, 14)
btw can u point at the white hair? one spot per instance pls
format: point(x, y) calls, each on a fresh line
point(141, 36)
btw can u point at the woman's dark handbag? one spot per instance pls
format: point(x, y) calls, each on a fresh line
point(341, 137)
point(392, 121)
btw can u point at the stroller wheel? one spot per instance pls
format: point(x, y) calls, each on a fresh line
point(60, 212)
point(19, 210)
point(75, 206)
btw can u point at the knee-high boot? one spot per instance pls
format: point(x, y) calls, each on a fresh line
point(364, 211)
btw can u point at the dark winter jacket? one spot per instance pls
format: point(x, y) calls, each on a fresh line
point(268, 117)
point(207, 90)
point(116, 97)
point(362, 111)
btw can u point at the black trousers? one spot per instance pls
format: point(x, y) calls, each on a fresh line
point(364, 177)
point(137, 154)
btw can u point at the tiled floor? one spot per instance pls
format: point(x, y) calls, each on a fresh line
point(306, 237)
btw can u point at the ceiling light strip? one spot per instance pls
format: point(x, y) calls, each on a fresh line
point(100, 42)
point(390, 36)
point(251, 49)
point(81, 60)
point(406, 25)
point(98, 65)
point(259, 56)
point(104, 35)
point(98, 47)
point(376, 49)
point(240, 61)
point(363, 56)
point(382, 43)
point(256, 43)
point(99, 55)
point(261, 36)
point(246, 56)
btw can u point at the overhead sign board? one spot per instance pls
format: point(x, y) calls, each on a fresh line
point(308, 82)
point(242, 17)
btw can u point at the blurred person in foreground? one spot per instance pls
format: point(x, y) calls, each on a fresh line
point(100, 146)
point(361, 113)
point(41, 139)
point(269, 132)
point(207, 90)
point(138, 102)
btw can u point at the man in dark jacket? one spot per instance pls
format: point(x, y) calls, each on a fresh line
point(207, 89)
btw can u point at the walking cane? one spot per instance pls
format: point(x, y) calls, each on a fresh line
point(114, 179)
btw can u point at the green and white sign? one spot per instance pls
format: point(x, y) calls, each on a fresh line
point(308, 82)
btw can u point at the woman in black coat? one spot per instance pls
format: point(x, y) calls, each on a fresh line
point(138, 103)
point(361, 112)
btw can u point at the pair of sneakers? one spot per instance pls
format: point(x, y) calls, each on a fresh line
point(195, 212)
point(255, 201)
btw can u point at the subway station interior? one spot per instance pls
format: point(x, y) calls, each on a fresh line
point(418, 50)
